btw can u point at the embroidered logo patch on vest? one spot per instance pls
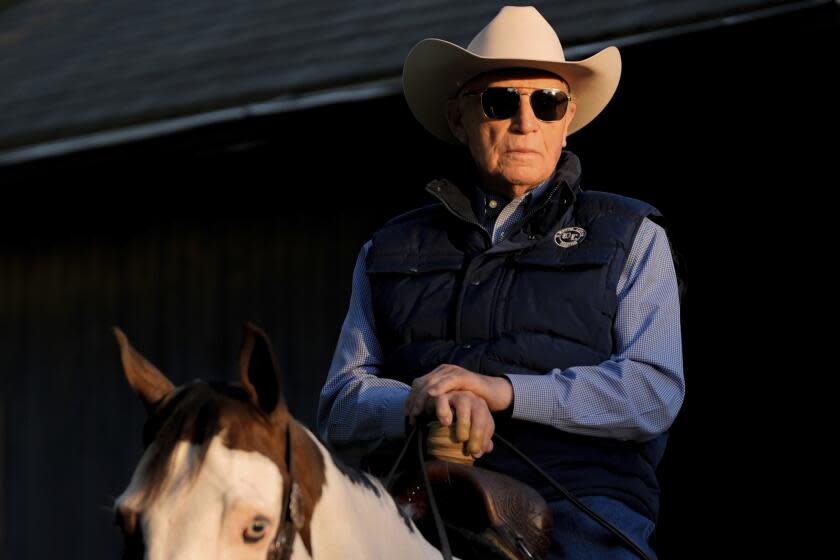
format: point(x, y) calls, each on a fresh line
point(569, 237)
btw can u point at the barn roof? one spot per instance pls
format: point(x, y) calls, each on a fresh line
point(76, 73)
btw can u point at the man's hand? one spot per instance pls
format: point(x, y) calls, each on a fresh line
point(497, 392)
point(473, 422)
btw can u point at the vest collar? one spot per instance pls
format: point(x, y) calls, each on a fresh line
point(566, 180)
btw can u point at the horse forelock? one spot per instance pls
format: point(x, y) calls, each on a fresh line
point(196, 413)
point(199, 412)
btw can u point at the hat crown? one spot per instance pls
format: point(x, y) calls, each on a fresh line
point(518, 32)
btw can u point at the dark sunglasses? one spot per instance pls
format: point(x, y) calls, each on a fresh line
point(549, 104)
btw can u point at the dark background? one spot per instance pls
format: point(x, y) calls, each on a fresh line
point(181, 239)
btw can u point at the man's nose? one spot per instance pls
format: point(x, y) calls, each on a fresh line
point(524, 119)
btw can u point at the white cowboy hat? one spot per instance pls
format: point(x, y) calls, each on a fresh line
point(518, 37)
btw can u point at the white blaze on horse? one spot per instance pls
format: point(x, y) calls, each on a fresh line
point(219, 480)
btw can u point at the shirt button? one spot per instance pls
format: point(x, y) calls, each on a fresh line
point(467, 346)
point(493, 204)
point(475, 282)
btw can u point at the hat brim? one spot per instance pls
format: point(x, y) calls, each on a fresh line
point(435, 70)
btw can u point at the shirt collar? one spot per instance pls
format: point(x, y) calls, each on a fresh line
point(481, 197)
point(460, 200)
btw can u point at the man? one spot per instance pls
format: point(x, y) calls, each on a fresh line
point(521, 303)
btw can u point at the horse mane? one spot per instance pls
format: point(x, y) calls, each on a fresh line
point(191, 413)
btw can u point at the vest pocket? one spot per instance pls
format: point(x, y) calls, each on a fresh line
point(413, 297)
point(562, 293)
point(408, 264)
point(552, 256)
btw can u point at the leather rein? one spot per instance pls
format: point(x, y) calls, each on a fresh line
point(292, 518)
point(525, 554)
point(291, 514)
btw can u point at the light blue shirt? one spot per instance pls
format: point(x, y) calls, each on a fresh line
point(496, 213)
point(634, 395)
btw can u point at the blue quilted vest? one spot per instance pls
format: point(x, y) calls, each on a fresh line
point(544, 297)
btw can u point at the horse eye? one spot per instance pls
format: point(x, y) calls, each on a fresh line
point(256, 531)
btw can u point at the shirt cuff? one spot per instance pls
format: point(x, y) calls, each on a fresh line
point(394, 414)
point(533, 397)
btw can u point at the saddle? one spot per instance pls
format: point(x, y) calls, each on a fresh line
point(486, 514)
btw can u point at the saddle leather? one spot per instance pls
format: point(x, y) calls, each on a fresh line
point(491, 515)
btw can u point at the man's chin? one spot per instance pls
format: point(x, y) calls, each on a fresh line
point(526, 178)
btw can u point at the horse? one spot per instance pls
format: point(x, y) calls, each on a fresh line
point(228, 473)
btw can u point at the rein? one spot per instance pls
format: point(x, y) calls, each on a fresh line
point(444, 541)
point(445, 549)
point(291, 513)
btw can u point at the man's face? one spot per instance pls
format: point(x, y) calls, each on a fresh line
point(516, 154)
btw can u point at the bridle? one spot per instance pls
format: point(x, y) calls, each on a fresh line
point(291, 512)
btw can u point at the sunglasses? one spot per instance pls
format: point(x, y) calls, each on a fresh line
point(498, 103)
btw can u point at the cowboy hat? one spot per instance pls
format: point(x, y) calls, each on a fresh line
point(518, 37)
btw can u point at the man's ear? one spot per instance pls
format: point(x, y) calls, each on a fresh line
point(454, 118)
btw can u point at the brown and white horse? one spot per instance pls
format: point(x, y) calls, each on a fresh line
point(227, 473)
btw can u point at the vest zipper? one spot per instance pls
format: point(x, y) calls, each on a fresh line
point(516, 227)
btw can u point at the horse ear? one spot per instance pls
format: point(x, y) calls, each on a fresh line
point(259, 372)
point(146, 380)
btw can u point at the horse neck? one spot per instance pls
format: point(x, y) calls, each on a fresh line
point(352, 520)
